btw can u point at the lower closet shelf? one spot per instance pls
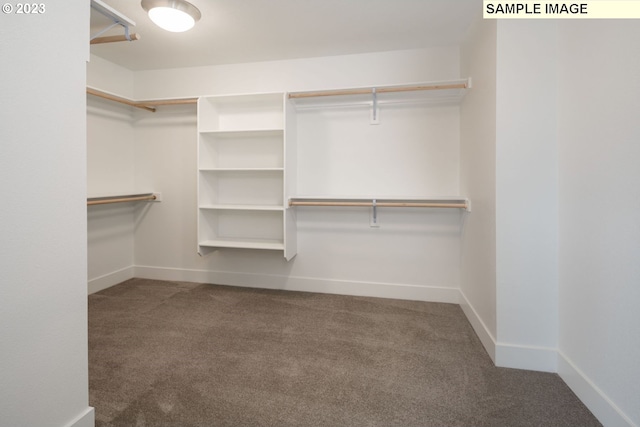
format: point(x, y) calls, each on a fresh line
point(244, 244)
point(243, 207)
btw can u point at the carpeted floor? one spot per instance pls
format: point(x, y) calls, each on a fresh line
point(181, 354)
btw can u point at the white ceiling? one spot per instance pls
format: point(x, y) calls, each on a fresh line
point(235, 31)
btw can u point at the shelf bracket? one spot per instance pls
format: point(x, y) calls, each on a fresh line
point(375, 113)
point(117, 19)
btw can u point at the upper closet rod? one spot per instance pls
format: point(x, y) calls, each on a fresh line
point(111, 39)
point(366, 91)
point(463, 204)
point(118, 99)
point(145, 105)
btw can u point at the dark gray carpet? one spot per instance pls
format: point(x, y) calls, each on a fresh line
point(181, 354)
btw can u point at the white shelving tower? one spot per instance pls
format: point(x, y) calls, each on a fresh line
point(246, 174)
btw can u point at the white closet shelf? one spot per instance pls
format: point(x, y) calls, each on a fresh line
point(235, 133)
point(250, 100)
point(244, 244)
point(243, 207)
point(241, 169)
point(111, 13)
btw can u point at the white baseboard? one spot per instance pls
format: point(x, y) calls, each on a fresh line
point(103, 282)
point(604, 409)
point(508, 355)
point(481, 330)
point(304, 284)
point(86, 419)
point(532, 358)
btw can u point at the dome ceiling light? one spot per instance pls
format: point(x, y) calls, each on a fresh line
point(172, 15)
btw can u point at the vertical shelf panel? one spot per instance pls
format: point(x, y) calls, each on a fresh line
point(290, 180)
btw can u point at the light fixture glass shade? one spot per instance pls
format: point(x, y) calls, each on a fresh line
point(172, 15)
point(172, 20)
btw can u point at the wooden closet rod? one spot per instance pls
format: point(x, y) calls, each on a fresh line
point(119, 99)
point(294, 95)
point(462, 205)
point(120, 199)
point(145, 105)
point(112, 39)
point(182, 101)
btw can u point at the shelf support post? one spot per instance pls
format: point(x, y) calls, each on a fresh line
point(374, 214)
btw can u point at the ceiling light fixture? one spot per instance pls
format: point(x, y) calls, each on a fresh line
point(172, 15)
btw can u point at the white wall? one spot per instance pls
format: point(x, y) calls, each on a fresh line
point(413, 151)
point(477, 180)
point(43, 255)
point(301, 74)
point(110, 77)
point(599, 249)
point(110, 147)
point(567, 230)
point(413, 254)
point(110, 171)
point(526, 195)
point(165, 159)
point(110, 245)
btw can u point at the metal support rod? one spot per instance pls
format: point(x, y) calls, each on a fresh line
point(99, 33)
